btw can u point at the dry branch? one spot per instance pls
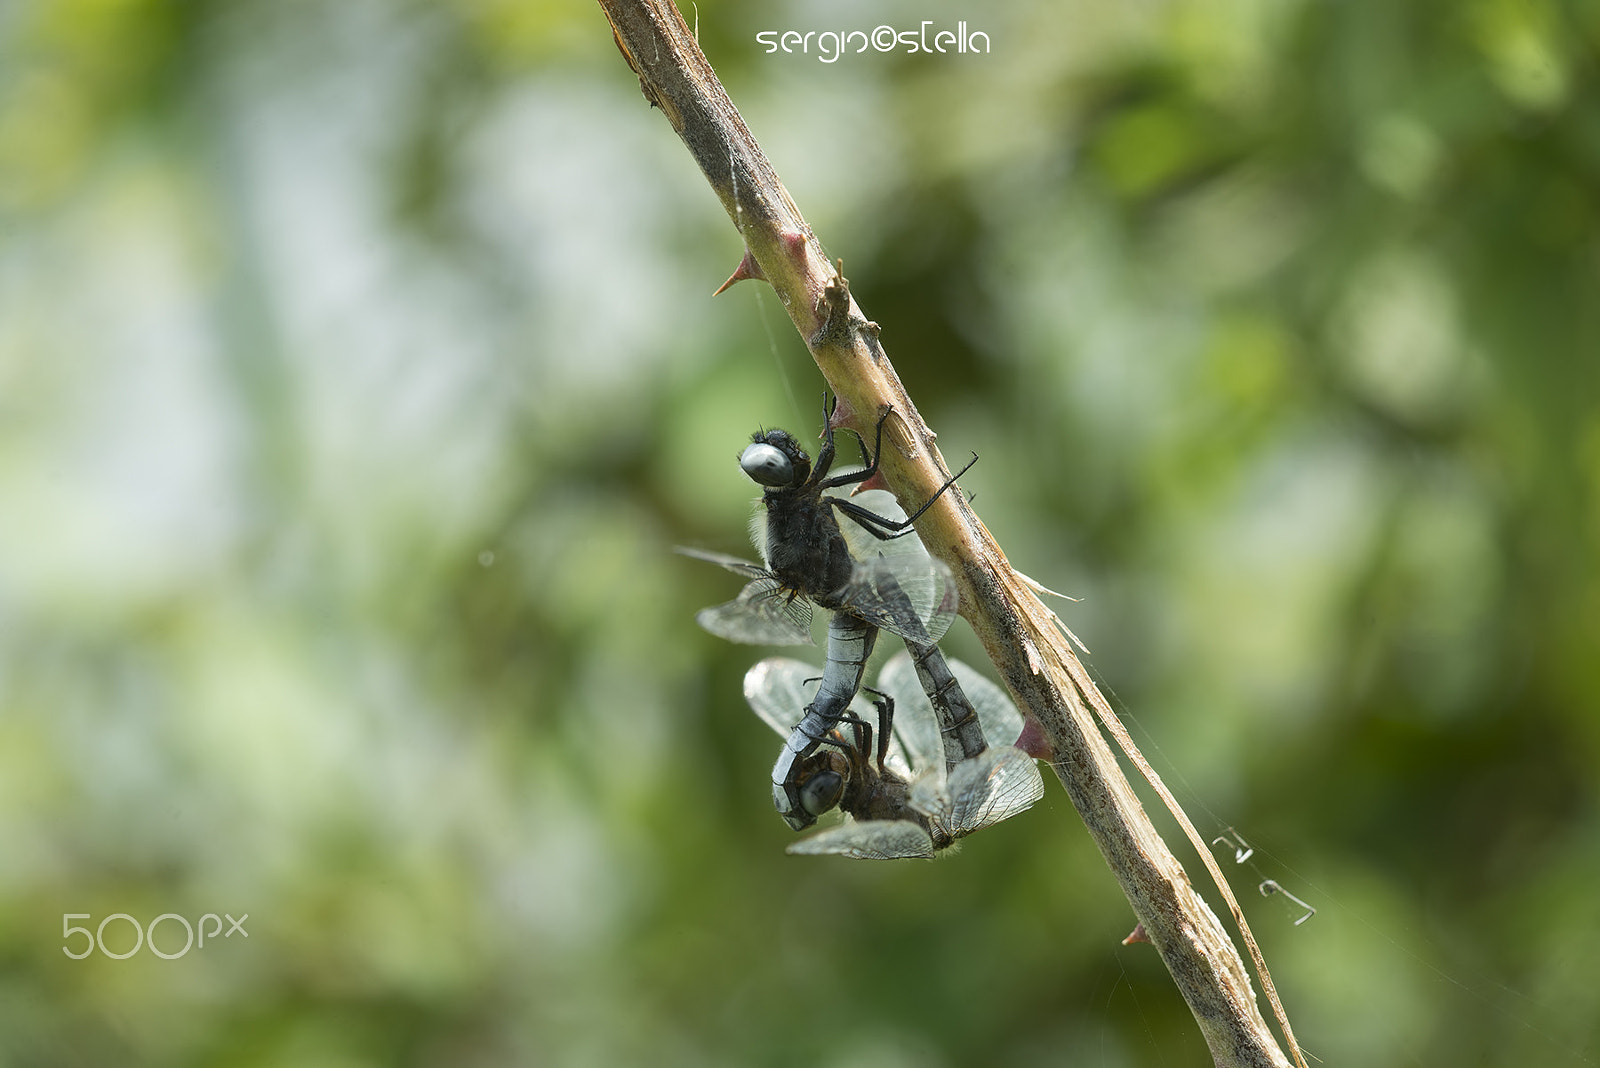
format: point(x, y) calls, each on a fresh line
point(1022, 636)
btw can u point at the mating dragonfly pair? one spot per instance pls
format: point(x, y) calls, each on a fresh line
point(936, 777)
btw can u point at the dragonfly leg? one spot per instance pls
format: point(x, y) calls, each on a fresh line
point(885, 706)
point(861, 731)
point(868, 458)
point(871, 521)
point(826, 453)
point(861, 736)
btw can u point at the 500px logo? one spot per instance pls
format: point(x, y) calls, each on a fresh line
point(831, 44)
point(144, 935)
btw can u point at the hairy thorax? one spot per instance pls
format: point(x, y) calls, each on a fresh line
point(805, 548)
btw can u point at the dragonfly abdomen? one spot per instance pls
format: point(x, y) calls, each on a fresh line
point(959, 725)
point(850, 643)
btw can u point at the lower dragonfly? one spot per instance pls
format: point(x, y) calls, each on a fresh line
point(906, 803)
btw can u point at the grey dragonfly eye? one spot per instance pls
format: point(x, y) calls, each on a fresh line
point(766, 464)
point(821, 792)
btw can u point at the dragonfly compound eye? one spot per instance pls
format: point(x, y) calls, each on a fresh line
point(821, 792)
point(766, 464)
point(792, 809)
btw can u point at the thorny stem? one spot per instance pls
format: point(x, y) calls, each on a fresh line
point(1024, 638)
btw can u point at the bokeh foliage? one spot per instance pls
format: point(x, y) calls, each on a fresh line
point(359, 371)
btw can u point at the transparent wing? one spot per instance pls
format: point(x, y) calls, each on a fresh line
point(776, 690)
point(1002, 723)
point(723, 560)
point(868, 840)
point(992, 786)
point(862, 543)
point(929, 794)
point(762, 614)
point(779, 688)
point(917, 604)
point(915, 727)
point(896, 586)
point(924, 581)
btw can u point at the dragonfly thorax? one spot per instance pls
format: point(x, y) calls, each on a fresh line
point(805, 547)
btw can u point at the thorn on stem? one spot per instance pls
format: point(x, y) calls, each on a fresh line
point(794, 243)
point(842, 414)
point(748, 268)
point(1032, 741)
point(875, 482)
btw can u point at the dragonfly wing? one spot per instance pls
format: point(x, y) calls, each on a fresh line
point(868, 840)
point(861, 541)
point(929, 794)
point(762, 614)
point(993, 786)
point(1000, 718)
point(915, 727)
point(723, 560)
point(918, 605)
point(924, 580)
point(776, 691)
point(779, 688)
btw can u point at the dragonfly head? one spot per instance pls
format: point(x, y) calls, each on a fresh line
point(815, 790)
point(775, 459)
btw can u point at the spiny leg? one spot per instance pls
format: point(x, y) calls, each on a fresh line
point(870, 459)
point(869, 520)
point(862, 731)
point(826, 453)
point(885, 706)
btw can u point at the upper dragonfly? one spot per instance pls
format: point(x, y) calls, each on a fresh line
point(812, 557)
point(887, 581)
point(907, 804)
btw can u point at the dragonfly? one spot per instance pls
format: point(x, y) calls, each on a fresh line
point(906, 802)
point(867, 571)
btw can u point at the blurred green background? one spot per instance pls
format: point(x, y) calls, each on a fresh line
point(358, 370)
